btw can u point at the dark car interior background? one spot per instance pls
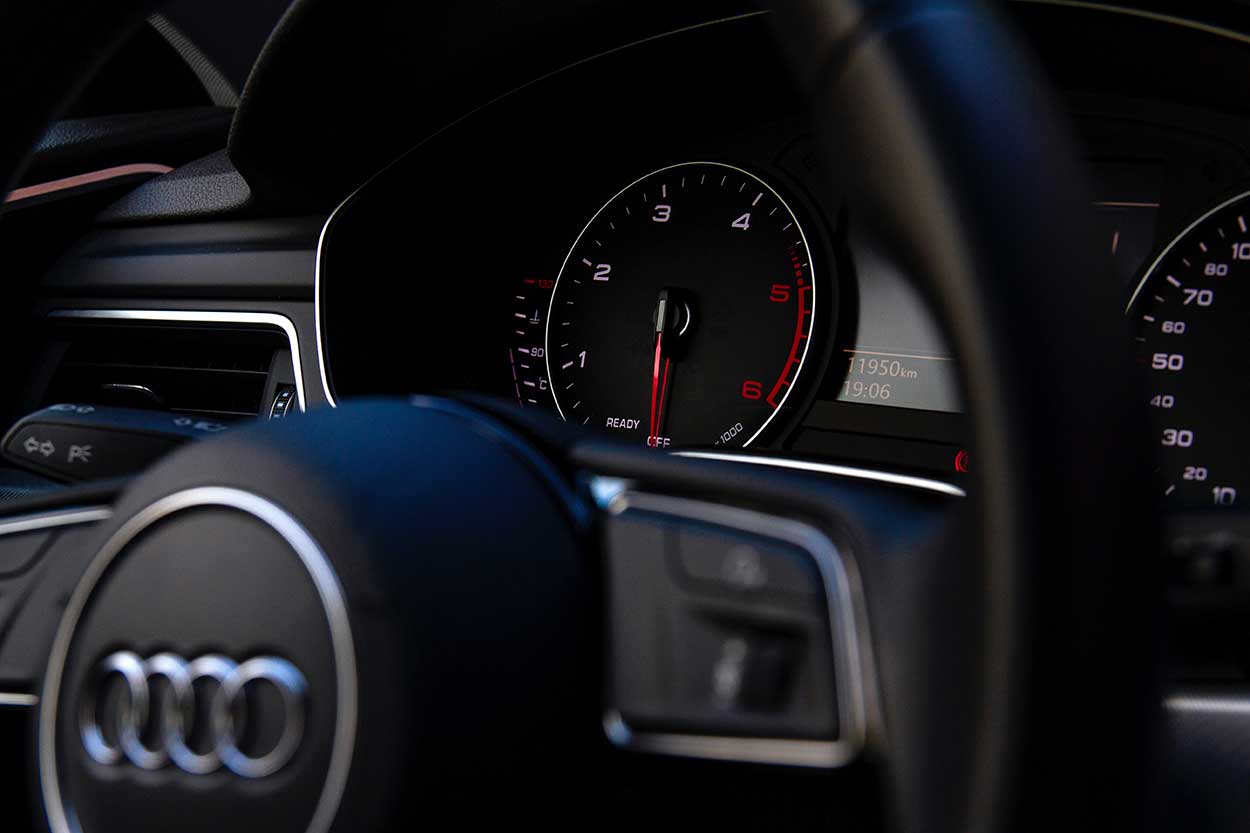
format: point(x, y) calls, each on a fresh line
point(714, 406)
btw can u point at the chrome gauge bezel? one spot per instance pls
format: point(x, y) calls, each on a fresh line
point(815, 272)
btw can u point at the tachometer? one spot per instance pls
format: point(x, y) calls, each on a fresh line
point(683, 313)
point(1190, 311)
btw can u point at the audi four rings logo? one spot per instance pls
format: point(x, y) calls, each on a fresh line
point(153, 719)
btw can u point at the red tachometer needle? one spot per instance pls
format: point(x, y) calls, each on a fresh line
point(655, 380)
point(661, 367)
point(660, 408)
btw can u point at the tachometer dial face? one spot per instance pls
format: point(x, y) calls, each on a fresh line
point(682, 314)
point(1190, 312)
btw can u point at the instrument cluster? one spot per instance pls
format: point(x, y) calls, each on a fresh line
point(680, 274)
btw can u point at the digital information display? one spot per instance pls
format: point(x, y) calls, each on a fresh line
point(898, 357)
point(902, 380)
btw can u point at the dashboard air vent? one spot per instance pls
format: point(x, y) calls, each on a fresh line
point(216, 371)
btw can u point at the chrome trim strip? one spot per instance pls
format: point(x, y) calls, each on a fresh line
point(321, 240)
point(829, 468)
point(1150, 272)
point(851, 660)
point(18, 701)
point(63, 820)
point(1157, 17)
point(783, 752)
point(50, 520)
point(261, 319)
point(1208, 704)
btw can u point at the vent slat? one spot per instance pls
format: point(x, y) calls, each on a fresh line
point(76, 364)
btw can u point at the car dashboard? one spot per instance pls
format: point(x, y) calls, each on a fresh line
point(525, 252)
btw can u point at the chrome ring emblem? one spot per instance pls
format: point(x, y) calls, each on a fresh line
point(115, 719)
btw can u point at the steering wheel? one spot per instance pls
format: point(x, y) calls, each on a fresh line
point(347, 619)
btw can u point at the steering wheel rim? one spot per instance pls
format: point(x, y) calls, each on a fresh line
point(924, 147)
point(942, 123)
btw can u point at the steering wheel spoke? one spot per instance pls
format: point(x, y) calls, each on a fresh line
point(42, 554)
point(741, 601)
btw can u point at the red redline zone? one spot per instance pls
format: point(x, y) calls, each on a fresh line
point(801, 328)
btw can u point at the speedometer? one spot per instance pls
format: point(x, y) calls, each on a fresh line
point(683, 313)
point(1191, 311)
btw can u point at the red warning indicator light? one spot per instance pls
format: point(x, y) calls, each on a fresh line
point(961, 462)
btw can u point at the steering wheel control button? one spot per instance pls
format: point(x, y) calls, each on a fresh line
point(743, 671)
point(88, 442)
point(745, 563)
point(743, 653)
point(137, 714)
point(282, 401)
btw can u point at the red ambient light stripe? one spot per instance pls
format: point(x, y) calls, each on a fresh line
point(79, 180)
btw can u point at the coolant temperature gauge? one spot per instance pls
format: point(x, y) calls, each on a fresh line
point(527, 356)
